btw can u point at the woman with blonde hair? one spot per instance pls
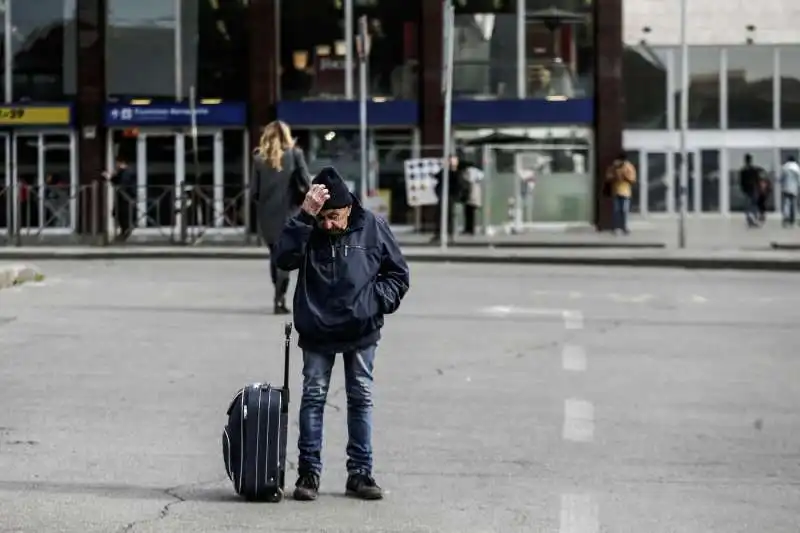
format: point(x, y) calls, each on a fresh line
point(278, 185)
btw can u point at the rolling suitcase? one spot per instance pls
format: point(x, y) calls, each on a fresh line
point(254, 440)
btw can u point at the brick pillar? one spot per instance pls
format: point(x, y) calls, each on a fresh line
point(608, 99)
point(431, 101)
point(89, 114)
point(264, 35)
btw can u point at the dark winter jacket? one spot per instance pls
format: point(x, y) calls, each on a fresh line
point(749, 178)
point(346, 283)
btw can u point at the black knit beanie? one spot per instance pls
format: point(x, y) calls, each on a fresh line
point(337, 188)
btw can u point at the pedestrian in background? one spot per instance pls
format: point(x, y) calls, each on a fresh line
point(124, 181)
point(620, 178)
point(790, 187)
point(751, 184)
point(278, 186)
point(457, 182)
point(472, 198)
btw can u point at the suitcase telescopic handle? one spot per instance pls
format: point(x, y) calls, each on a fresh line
point(287, 330)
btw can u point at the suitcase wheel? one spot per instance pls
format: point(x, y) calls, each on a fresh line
point(276, 496)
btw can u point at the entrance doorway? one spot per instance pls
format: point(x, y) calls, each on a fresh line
point(532, 183)
point(38, 183)
point(209, 170)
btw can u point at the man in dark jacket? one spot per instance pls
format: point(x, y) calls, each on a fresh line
point(351, 274)
point(750, 182)
point(124, 181)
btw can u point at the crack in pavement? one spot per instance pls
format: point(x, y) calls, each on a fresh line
point(172, 492)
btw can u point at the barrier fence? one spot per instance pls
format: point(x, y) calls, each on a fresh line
point(100, 213)
point(522, 184)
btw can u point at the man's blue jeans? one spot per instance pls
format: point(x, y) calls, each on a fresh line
point(751, 212)
point(317, 369)
point(789, 209)
point(620, 213)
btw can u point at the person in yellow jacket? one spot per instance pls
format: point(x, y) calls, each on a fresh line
point(620, 177)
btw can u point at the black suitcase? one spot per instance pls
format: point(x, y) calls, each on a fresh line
point(254, 440)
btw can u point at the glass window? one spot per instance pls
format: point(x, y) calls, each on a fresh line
point(559, 48)
point(750, 80)
point(393, 57)
point(44, 48)
point(786, 153)
point(704, 87)
point(790, 86)
point(644, 73)
point(635, 158)
point(657, 182)
point(762, 157)
point(140, 49)
point(215, 47)
point(313, 58)
point(392, 148)
point(485, 55)
point(709, 181)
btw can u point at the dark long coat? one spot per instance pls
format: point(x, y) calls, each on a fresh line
point(275, 192)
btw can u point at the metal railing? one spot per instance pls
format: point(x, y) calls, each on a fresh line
point(101, 213)
point(184, 214)
point(49, 214)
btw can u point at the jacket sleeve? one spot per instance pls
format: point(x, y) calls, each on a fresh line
point(393, 277)
point(630, 173)
point(301, 162)
point(290, 250)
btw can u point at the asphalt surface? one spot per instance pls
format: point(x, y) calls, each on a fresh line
point(508, 399)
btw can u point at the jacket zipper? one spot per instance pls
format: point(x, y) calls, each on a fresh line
point(333, 255)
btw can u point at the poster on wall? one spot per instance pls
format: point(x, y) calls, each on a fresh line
point(420, 183)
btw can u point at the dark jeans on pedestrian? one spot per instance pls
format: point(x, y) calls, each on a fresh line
point(124, 213)
point(280, 278)
point(752, 210)
point(317, 369)
point(470, 216)
point(789, 208)
point(620, 213)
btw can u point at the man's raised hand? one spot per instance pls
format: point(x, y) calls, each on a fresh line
point(315, 198)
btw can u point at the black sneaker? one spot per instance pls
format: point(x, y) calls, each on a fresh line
point(306, 488)
point(363, 486)
point(281, 309)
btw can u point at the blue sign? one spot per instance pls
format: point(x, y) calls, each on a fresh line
point(345, 113)
point(175, 114)
point(523, 112)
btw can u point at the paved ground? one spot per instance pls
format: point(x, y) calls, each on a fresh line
point(703, 233)
point(509, 399)
point(765, 260)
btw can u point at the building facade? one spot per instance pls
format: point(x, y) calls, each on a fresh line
point(181, 88)
point(744, 74)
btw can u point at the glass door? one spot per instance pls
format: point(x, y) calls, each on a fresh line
point(6, 191)
point(27, 180)
point(59, 188)
point(692, 186)
point(169, 164)
point(44, 182)
point(654, 175)
point(159, 162)
point(203, 180)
